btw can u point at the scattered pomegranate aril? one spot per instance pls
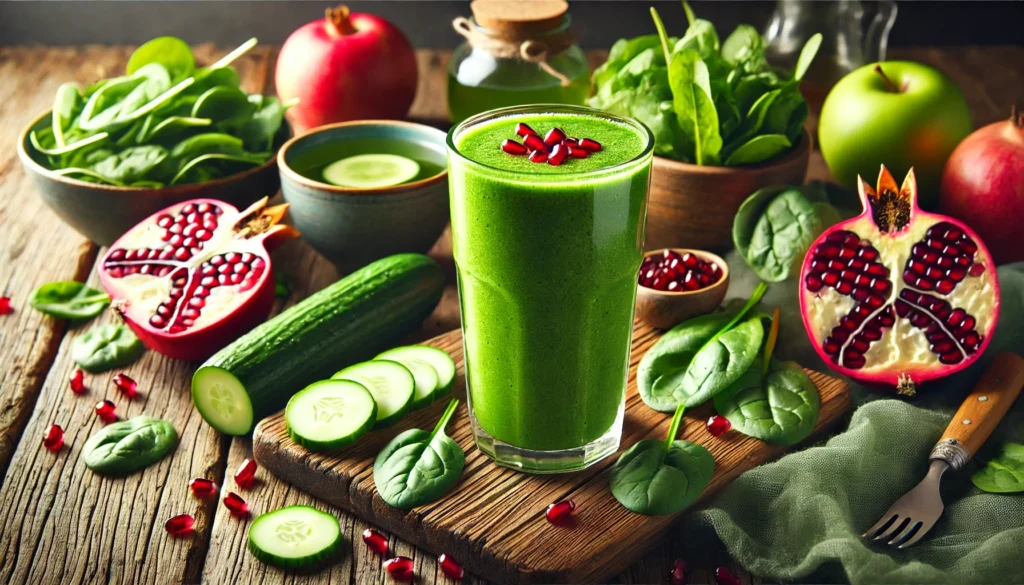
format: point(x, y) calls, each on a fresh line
point(376, 541)
point(554, 136)
point(724, 576)
point(106, 411)
point(77, 381)
point(54, 438)
point(513, 147)
point(524, 130)
point(180, 525)
point(558, 155)
point(452, 569)
point(560, 511)
point(590, 145)
point(126, 385)
point(5, 306)
point(535, 143)
point(202, 488)
point(400, 569)
point(246, 473)
point(677, 576)
point(538, 156)
point(236, 505)
point(718, 425)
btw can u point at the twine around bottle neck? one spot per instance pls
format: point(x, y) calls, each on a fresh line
point(507, 45)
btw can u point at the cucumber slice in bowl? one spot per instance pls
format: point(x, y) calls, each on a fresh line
point(439, 360)
point(330, 414)
point(294, 536)
point(390, 383)
point(369, 171)
point(222, 401)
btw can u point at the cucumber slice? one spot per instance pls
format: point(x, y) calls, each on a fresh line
point(294, 536)
point(391, 384)
point(330, 414)
point(222, 400)
point(426, 382)
point(439, 360)
point(371, 170)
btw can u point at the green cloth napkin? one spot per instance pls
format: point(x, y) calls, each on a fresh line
point(800, 518)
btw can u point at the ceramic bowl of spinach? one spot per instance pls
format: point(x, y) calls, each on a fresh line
point(108, 155)
point(725, 123)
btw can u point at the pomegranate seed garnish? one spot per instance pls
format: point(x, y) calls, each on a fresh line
point(524, 130)
point(245, 474)
point(590, 145)
point(377, 542)
point(5, 306)
point(539, 156)
point(450, 567)
point(54, 438)
point(77, 381)
point(577, 152)
point(558, 154)
point(513, 147)
point(535, 143)
point(236, 505)
point(725, 577)
point(400, 568)
point(202, 488)
point(180, 525)
point(560, 511)
point(126, 385)
point(677, 576)
point(554, 136)
point(718, 425)
point(106, 411)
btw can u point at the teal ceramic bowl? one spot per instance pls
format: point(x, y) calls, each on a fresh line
point(103, 213)
point(355, 226)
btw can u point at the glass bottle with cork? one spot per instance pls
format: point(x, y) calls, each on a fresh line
point(516, 52)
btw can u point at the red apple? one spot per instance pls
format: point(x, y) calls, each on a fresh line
point(983, 186)
point(346, 67)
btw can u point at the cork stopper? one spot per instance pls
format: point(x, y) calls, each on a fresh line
point(519, 17)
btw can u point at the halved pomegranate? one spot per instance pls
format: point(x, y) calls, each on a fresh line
point(897, 296)
point(190, 279)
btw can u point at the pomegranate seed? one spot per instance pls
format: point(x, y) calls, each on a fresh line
point(54, 438)
point(535, 143)
point(245, 474)
point(976, 270)
point(106, 411)
point(524, 130)
point(554, 136)
point(590, 145)
point(677, 576)
point(718, 425)
point(450, 567)
point(539, 156)
point(377, 542)
point(513, 147)
point(236, 505)
point(725, 577)
point(558, 154)
point(400, 568)
point(5, 306)
point(77, 381)
point(180, 525)
point(560, 511)
point(126, 385)
point(577, 152)
point(202, 488)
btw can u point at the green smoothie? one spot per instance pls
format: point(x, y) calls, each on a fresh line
point(547, 260)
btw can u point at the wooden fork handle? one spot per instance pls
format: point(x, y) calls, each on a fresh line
point(982, 410)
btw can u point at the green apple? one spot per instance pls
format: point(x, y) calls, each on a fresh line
point(897, 113)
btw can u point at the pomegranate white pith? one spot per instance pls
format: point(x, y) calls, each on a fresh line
point(898, 296)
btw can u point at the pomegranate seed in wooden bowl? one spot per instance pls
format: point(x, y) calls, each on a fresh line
point(676, 284)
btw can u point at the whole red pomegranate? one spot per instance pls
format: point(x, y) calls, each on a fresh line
point(897, 296)
point(190, 279)
point(346, 67)
point(983, 185)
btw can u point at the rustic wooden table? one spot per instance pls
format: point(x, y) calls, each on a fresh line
point(59, 523)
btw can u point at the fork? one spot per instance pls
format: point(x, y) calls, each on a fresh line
point(913, 515)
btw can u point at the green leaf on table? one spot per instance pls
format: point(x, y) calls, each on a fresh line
point(758, 149)
point(68, 300)
point(106, 347)
point(126, 446)
point(1005, 473)
point(780, 406)
point(171, 52)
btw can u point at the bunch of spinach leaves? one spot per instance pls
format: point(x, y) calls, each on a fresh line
point(707, 102)
point(1005, 473)
point(164, 122)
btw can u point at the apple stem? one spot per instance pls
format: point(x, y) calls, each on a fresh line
point(888, 82)
point(338, 23)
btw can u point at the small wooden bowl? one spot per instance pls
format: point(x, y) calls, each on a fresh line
point(691, 206)
point(665, 309)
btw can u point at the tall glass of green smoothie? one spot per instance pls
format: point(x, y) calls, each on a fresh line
point(547, 257)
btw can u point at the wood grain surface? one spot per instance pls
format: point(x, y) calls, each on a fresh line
point(59, 523)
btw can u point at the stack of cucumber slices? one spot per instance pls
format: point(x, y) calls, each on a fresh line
point(331, 414)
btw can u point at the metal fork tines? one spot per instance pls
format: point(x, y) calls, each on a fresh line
point(913, 515)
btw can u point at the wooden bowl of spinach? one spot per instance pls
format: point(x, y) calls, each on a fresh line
point(109, 155)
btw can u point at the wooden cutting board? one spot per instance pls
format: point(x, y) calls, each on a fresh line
point(493, 519)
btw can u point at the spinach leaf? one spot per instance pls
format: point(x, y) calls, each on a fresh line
point(223, 104)
point(174, 126)
point(64, 106)
point(622, 52)
point(757, 149)
point(258, 131)
point(106, 347)
point(671, 354)
point(68, 300)
point(171, 52)
point(778, 406)
point(744, 48)
point(244, 158)
point(1005, 473)
point(803, 62)
point(130, 164)
point(661, 477)
point(418, 467)
point(123, 447)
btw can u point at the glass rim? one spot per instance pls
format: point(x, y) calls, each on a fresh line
point(529, 177)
